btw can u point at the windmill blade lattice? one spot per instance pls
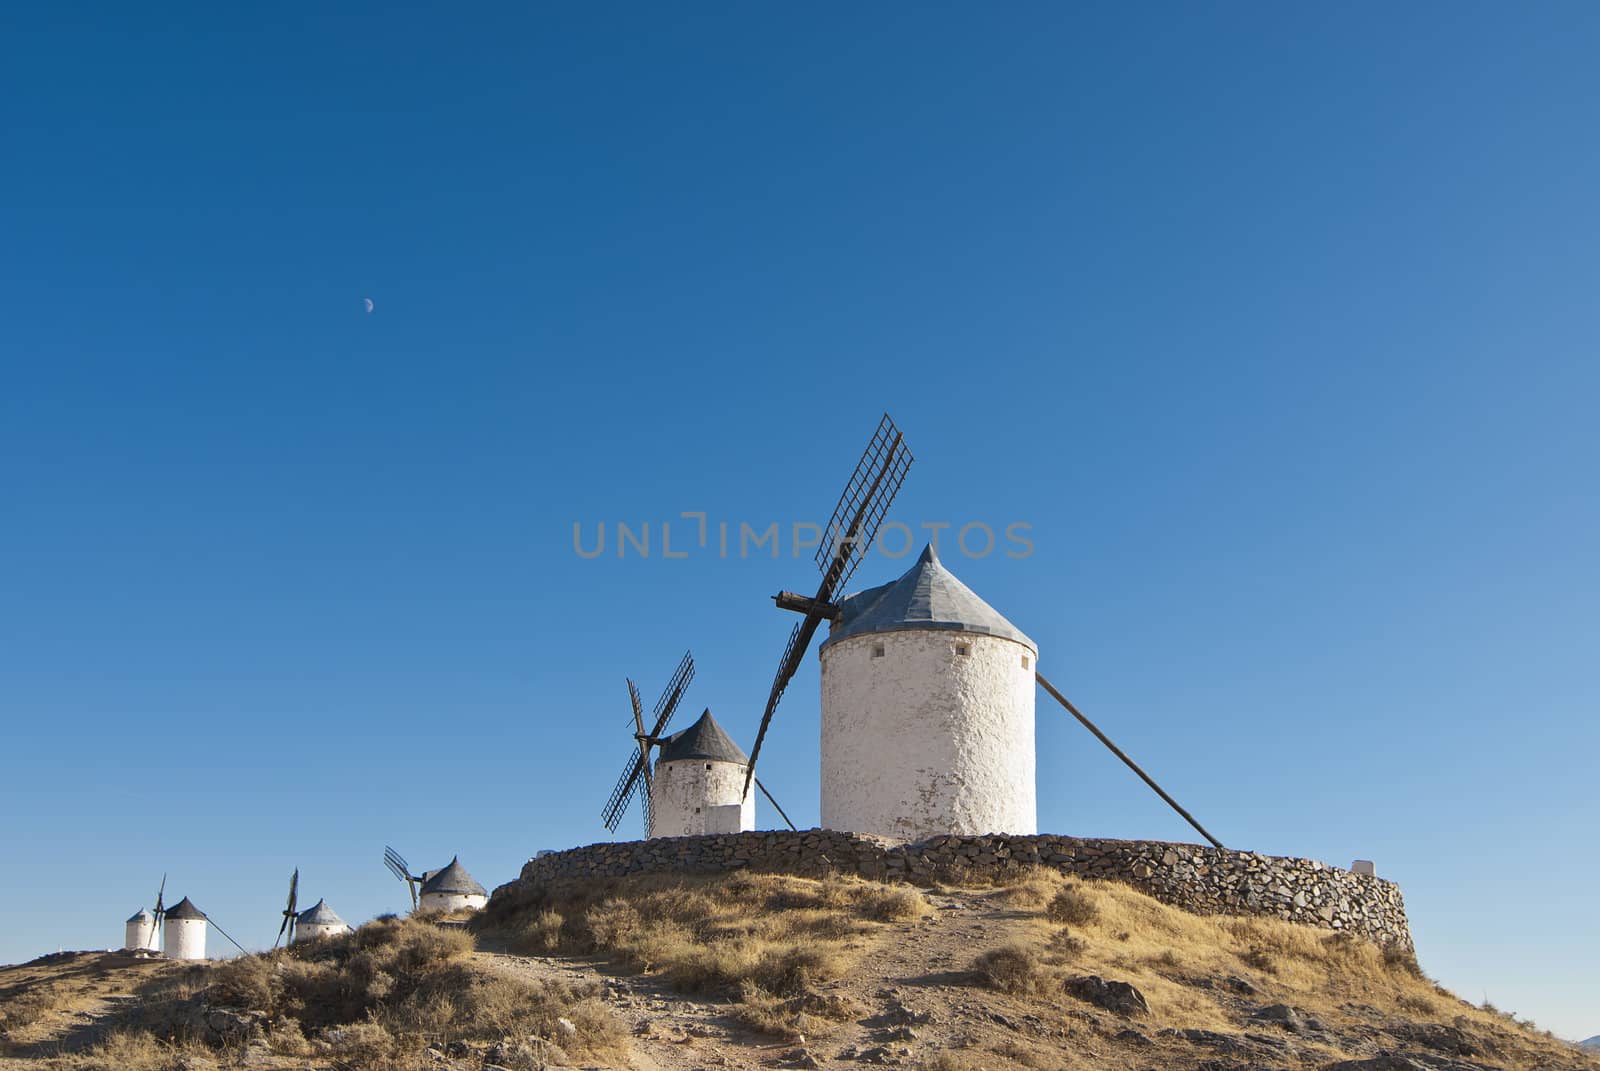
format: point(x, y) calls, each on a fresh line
point(637, 767)
point(401, 869)
point(862, 506)
point(864, 502)
point(644, 755)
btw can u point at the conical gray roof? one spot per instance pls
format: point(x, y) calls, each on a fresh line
point(320, 915)
point(183, 909)
point(142, 915)
point(928, 596)
point(453, 879)
point(705, 739)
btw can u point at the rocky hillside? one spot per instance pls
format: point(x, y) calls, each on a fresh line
point(762, 971)
point(1591, 1043)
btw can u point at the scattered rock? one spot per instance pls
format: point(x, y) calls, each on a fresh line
point(195, 1063)
point(1118, 997)
point(518, 1053)
point(1229, 1044)
point(1133, 1037)
point(1266, 1041)
point(1383, 1062)
point(897, 1014)
point(878, 1054)
point(1438, 1037)
point(1280, 1015)
point(224, 1026)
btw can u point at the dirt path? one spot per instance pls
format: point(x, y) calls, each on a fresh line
point(909, 981)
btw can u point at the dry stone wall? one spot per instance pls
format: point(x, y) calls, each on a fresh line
point(1204, 880)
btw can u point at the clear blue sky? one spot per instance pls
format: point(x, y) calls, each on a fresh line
point(1277, 324)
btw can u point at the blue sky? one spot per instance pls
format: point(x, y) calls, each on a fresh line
point(1277, 325)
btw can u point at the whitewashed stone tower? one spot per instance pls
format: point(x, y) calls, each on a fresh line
point(927, 712)
point(183, 932)
point(698, 785)
point(139, 934)
point(319, 921)
point(452, 889)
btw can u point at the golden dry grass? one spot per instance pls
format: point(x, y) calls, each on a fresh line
point(766, 941)
point(26, 1008)
point(135, 1050)
point(373, 999)
point(1073, 927)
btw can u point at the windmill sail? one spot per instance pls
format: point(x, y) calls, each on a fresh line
point(637, 767)
point(854, 525)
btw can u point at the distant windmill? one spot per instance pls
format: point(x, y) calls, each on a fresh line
point(290, 913)
point(846, 540)
point(401, 869)
point(704, 795)
point(637, 768)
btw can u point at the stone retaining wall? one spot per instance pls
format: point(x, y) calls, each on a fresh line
point(1204, 880)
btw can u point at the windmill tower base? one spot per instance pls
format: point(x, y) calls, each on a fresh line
point(928, 732)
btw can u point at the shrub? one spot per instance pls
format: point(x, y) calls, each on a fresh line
point(811, 1014)
point(1402, 961)
point(247, 982)
point(538, 934)
point(1073, 906)
point(1012, 969)
point(792, 971)
point(1260, 959)
point(891, 903)
point(364, 1045)
point(1066, 946)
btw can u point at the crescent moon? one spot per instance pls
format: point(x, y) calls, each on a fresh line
point(369, 303)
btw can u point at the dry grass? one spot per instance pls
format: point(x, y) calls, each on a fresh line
point(811, 1014)
point(766, 941)
point(948, 1060)
point(28, 1007)
point(132, 1050)
point(1175, 959)
point(373, 999)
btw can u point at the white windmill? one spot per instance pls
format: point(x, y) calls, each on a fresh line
point(927, 690)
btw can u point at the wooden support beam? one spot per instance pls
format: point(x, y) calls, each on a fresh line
point(805, 604)
point(1119, 753)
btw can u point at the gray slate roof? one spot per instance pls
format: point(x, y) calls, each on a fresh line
point(183, 909)
point(453, 879)
point(320, 915)
point(705, 739)
point(927, 596)
point(143, 915)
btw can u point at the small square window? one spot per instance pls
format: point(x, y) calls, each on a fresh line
point(1024, 661)
point(697, 810)
point(877, 650)
point(708, 766)
point(964, 649)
